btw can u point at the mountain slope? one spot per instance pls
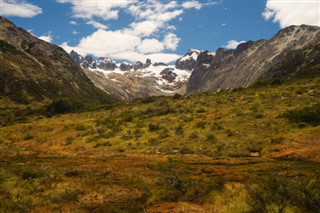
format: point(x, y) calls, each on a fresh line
point(34, 70)
point(290, 50)
point(139, 80)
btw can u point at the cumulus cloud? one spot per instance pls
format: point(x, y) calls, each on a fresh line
point(145, 28)
point(293, 12)
point(19, 9)
point(102, 9)
point(149, 35)
point(232, 44)
point(97, 25)
point(171, 41)
point(150, 46)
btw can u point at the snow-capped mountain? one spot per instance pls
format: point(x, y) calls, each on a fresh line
point(138, 79)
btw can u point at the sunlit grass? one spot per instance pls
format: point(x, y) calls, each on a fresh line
point(118, 159)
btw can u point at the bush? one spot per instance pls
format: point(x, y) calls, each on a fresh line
point(164, 133)
point(201, 110)
point(73, 173)
point(186, 150)
point(176, 186)
point(193, 135)
point(179, 130)
point(153, 127)
point(127, 116)
point(148, 100)
point(309, 115)
point(67, 195)
point(277, 193)
point(177, 96)
point(201, 125)
point(80, 127)
point(64, 105)
point(30, 174)
point(211, 138)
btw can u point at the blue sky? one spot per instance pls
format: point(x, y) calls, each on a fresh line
point(134, 30)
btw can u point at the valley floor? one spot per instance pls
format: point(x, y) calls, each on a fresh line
point(239, 151)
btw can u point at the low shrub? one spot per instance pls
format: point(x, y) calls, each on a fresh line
point(309, 115)
point(276, 192)
point(30, 174)
point(153, 127)
point(64, 105)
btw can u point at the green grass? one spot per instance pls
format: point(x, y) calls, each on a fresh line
point(130, 157)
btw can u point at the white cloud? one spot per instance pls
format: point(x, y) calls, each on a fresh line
point(145, 28)
point(122, 45)
point(73, 23)
point(97, 25)
point(163, 57)
point(293, 12)
point(102, 9)
point(232, 44)
point(192, 4)
point(150, 35)
point(74, 32)
point(102, 43)
point(150, 46)
point(47, 38)
point(171, 41)
point(19, 9)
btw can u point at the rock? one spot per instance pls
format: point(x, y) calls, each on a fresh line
point(76, 57)
point(106, 64)
point(242, 47)
point(188, 61)
point(168, 74)
point(125, 67)
point(160, 64)
point(138, 65)
point(205, 57)
point(147, 64)
point(148, 61)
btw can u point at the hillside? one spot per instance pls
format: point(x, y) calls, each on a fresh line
point(169, 154)
point(34, 70)
point(293, 52)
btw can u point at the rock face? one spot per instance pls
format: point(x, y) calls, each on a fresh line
point(188, 61)
point(138, 65)
point(33, 70)
point(168, 74)
point(285, 55)
point(125, 67)
point(105, 64)
point(205, 57)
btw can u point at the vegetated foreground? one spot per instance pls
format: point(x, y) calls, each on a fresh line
point(253, 150)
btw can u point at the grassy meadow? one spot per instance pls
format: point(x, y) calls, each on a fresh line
point(248, 150)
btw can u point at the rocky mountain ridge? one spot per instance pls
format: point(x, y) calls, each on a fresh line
point(292, 50)
point(34, 70)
